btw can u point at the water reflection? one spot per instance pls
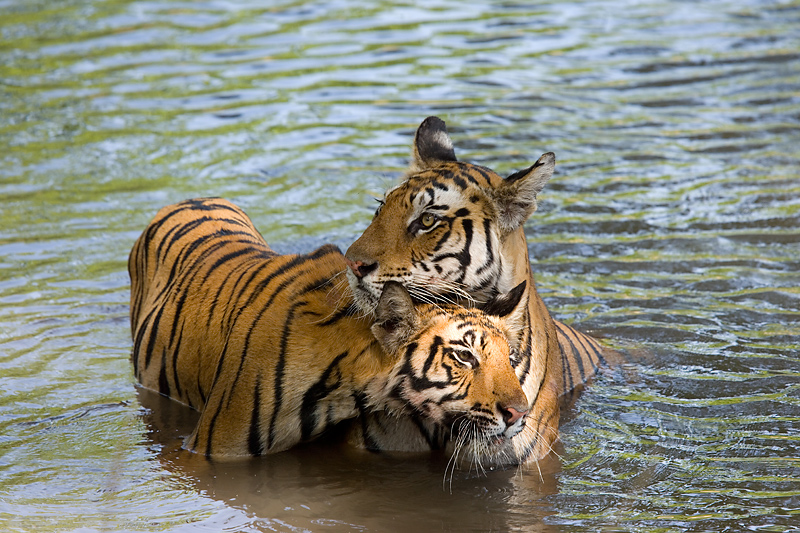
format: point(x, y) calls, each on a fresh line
point(323, 485)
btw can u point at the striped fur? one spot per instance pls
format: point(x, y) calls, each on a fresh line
point(268, 348)
point(453, 231)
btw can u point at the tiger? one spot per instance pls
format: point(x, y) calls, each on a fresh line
point(272, 351)
point(453, 230)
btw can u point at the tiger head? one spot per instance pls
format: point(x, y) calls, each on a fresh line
point(450, 229)
point(453, 364)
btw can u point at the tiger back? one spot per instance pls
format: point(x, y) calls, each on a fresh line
point(272, 351)
point(192, 272)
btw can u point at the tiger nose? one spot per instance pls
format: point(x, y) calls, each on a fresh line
point(359, 268)
point(511, 415)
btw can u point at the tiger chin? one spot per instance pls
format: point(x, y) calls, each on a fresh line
point(453, 231)
point(273, 352)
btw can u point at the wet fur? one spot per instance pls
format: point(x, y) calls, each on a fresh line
point(272, 352)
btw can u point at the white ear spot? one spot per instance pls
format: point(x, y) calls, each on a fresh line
point(441, 139)
point(432, 145)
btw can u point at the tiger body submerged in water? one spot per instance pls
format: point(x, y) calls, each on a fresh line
point(272, 352)
point(453, 231)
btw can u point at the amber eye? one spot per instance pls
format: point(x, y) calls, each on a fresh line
point(465, 358)
point(425, 222)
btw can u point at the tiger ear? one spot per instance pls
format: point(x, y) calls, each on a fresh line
point(516, 197)
point(396, 317)
point(432, 145)
point(503, 305)
point(507, 307)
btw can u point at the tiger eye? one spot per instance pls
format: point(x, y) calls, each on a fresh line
point(428, 219)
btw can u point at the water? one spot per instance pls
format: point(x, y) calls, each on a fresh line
point(670, 229)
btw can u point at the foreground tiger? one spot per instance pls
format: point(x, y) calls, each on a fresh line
point(454, 231)
point(271, 351)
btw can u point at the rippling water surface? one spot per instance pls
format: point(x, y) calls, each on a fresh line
point(670, 229)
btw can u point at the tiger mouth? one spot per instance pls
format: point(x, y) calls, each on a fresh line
point(364, 298)
point(473, 430)
point(490, 432)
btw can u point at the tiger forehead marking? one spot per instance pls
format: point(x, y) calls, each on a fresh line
point(444, 202)
point(473, 331)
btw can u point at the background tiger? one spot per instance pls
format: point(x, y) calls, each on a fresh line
point(454, 231)
point(272, 351)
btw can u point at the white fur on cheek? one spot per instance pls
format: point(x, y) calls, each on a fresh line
point(364, 295)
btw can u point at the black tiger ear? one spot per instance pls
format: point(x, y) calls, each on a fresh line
point(432, 144)
point(516, 197)
point(503, 305)
point(395, 317)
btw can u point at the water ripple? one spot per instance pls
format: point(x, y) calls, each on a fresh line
point(669, 229)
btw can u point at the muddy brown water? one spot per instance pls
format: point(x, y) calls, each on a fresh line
point(670, 229)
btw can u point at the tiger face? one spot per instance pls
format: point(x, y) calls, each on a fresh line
point(455, 368)
point(448, 229)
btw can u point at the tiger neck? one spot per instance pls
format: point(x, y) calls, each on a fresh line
point(516, 266)
point(375, 376)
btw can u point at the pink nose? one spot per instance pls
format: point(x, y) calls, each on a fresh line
point(359, 268)
point(511, 415)
point(354, 265)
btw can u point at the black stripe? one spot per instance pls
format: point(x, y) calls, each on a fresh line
point(577, 360)
point(443, 240)
point(463, 255)
point(450, 175)
point(229, 302)
point(564, 368)
point(465, 258)
point(203, 395)
point(566, 362)
point(526, 345)
point(432, 352)
point(315, 393)
point(527, 370)
point(489, 260)
point(176, 350)
point(299, 260)
point(593, 345)
point(484, 172)
point(211, 424)
point(280, 365)
point(177, 313)
point(436, 184)
point(345, 312)
point(137, 347)
point(540, 436)
point(148, 354)
point(254, 443)
point(225, 258)
point(432, 438)
point(163, 383)
point(367, 419)
point(588, 352)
